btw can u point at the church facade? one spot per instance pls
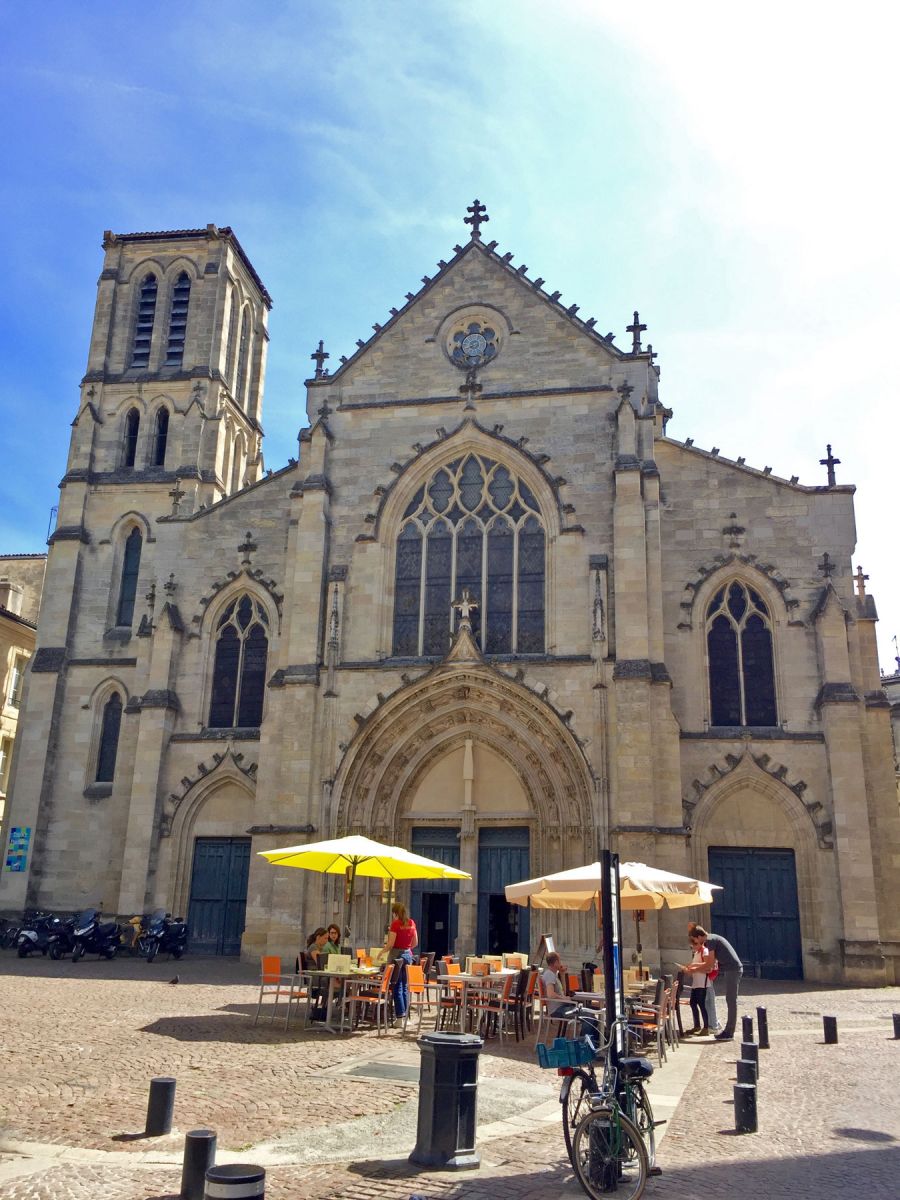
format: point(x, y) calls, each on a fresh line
point(491, 612)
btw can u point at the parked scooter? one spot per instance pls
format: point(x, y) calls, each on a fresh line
point(34, 936)
point(62, 939)
point(91, 936)
point(164, 933)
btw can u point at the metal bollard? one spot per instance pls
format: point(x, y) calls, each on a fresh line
point(160, 1106)
point(750, 1051)
point(199, 1156)
point(234, 1181)
point(745, 1108)
point(747, 1029)
point(897, 1025)
point(830, 1027)
point(762, 1024)
point(746, 1070)
point(448, 1100)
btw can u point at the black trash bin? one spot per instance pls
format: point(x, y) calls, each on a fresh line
point(448, 1101)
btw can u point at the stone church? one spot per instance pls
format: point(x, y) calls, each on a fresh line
point(492, 612)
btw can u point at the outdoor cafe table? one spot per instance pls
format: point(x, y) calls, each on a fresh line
point(471, 982)
point(355, 976)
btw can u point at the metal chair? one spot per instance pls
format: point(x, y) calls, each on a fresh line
point(276, 987)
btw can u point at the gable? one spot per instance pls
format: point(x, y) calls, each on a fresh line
point(539, 342)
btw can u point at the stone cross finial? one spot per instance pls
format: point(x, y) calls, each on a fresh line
point(478, 218)
point(170, 585)
point(151, 596)
point(830, 462)
point(826, 566)
point(246, 548)
point(465, 605)
point(625, 389)
point(635, 329)
point(177, 494)
point(318, 356)
point(860, 580)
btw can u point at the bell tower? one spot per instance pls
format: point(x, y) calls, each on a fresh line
point(174, 384)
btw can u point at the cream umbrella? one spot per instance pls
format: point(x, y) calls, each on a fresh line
point(359, 855)
point(640, 887)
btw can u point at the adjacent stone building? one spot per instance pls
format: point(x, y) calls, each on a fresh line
point(668, 653)
point(21, 576)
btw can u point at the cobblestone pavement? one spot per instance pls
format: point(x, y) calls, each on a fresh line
point(87, 1038)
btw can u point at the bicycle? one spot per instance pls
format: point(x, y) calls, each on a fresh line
point(617, 1148)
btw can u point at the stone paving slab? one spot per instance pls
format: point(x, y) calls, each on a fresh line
point(88, 1038)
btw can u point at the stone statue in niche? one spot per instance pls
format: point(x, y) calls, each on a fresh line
point(597, 633)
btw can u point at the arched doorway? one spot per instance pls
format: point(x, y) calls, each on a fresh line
point(469, 766)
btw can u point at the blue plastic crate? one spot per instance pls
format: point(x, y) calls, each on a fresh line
point(566, 1052)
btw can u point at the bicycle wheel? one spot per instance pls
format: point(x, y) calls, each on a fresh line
point(642, 1115)
point(574, 1097)
point(609, 1156)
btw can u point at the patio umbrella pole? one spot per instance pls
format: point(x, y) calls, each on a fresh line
point(640, 949)
point(350, 901)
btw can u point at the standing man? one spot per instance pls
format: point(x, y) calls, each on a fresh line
point(724, 956)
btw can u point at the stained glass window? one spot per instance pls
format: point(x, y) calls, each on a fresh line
point(473, 525)
point(741, 662)
point(239, 670)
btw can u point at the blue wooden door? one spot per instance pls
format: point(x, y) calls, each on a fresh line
point(757, 910)
point(218, 895)
point(432, 902)
point(503, 857)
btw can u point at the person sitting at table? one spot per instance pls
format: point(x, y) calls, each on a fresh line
point(402, 938)
point(317, 948)
point(558, 1006)
point(333, 945)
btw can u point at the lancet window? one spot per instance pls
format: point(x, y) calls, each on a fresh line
point(160, 438)
point(131, 565)
point(108, 747)
point(474, 525)
point(741, 663)
point(181, 298)
point(132, 429)
point(143, 330)
point(239, 671)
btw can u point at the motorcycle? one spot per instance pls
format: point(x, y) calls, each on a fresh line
point(163, 932)
point(34, 934)
point(91, 936)
point(62, 940)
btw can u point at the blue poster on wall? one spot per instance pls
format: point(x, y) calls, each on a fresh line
point(17, 848)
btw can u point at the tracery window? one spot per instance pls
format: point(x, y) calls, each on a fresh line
point(474, 525)
point(160, 438)
point(239, 673)
point(108, 748)
point(143, 329)
point(181, 298)
point(741, 663)
point(132, 428)
point(131, 565)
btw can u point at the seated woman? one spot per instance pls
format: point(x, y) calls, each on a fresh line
point(316, 951)
point(333, 945)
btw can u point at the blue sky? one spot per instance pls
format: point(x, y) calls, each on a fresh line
point(730, 174)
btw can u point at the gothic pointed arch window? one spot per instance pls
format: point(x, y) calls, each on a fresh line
point(108, 745)
point(130, 441)
point(239, 668)
point(160, 438)
point(131, 565)
point(178, 314)
point(473, 525)
point(740, 655)
point(143, 328)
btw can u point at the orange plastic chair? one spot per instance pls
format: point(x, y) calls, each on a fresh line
point(417, 985)
point(375, 999)
point(276, 987)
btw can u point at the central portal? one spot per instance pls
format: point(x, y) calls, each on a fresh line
point(503, 856)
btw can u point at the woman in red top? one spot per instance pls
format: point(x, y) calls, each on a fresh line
point(401, 940)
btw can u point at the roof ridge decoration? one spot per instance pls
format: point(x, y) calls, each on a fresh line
point(489, 249)
point(765, 472)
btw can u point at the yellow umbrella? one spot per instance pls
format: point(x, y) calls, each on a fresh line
point(358, 855)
